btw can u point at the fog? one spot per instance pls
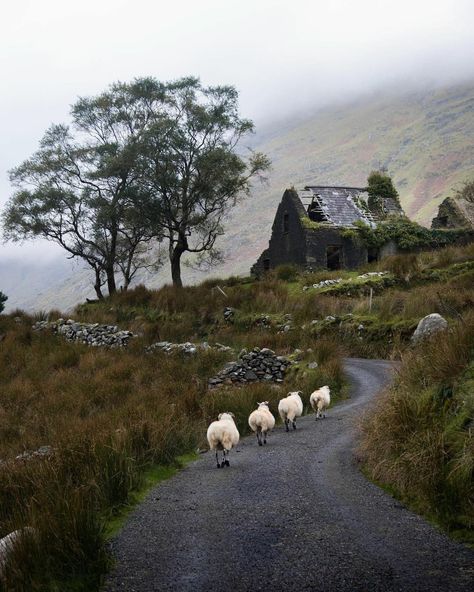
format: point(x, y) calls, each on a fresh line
point(284, 57)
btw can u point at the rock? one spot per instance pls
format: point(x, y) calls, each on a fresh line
point(228, 314)
point(250, 375)
point(313, 365)
point(429, 325)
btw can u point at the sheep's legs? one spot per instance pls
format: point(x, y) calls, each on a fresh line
point(264, 437)
point(259, 437)
point(217, 460)
point(225, 462)
point(294, 424)
point(287, 423)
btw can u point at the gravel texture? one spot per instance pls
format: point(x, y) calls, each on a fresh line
point(294, 515)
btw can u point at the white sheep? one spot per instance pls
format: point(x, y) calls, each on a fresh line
point(261, 421)
point(223, 435)
point(320, 400)
point(9, 542)
point(290, 408)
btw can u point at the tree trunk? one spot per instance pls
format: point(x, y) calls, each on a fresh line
point(175, 259)
point(112, 288)
point(98, 284)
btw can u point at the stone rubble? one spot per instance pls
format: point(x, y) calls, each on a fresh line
point(187, 348)
point(42, 452)
point(95, 335)
point(258, 365)
point(327, 283)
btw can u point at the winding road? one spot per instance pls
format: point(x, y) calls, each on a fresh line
point(296, 514)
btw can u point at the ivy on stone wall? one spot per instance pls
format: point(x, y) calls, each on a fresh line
point(407, 235)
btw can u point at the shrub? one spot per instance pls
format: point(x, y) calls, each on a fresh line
point(287, 273)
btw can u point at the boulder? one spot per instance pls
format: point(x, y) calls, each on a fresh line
point(429, 325)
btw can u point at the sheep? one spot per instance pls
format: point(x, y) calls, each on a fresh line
point(290, 408)
point(223, 435)
point(320, 400)
point(9, 542)
point(261, 422)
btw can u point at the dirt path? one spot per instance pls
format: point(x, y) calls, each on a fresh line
point(294, 515)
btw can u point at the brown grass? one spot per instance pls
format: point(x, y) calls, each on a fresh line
point(109, 415)
point(418, 438)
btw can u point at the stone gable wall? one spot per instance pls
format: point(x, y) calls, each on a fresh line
point(317, 241)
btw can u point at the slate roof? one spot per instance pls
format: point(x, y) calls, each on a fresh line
point(337, 206)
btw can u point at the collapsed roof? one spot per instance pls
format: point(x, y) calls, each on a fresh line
point(341, 206)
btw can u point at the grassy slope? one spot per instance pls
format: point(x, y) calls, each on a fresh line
point(111, 416)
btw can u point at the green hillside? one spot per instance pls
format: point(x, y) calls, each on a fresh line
point(425, 139)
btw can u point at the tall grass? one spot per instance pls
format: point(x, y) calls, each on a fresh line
point(109, 415)
point(419, 437)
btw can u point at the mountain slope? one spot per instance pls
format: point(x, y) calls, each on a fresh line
point(424, 138)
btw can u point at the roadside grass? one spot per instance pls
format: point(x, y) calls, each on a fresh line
point(116, 421)
point(418, 438)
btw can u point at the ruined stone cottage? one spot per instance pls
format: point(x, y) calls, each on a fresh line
point(456, 211)
point(309, 224)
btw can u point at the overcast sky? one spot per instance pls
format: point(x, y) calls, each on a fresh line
point(283, 56)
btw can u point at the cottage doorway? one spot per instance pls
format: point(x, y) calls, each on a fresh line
point(334, 257)
point(372, 255)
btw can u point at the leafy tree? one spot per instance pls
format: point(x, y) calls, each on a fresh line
point(81, 189)
point(379, 187)
point(143, 161)
point(192, 169)
point(3, 299)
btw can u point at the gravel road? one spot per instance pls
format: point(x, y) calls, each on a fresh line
point(294, 515)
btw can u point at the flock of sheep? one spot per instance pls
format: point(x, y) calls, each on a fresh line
point(223, 434)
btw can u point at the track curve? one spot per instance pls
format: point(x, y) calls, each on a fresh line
point(294, 515)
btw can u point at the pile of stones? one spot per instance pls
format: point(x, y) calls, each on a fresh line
point(327, 283)
point(41, 452)
point(187, 348)
point(258, 365)
point(95, 335)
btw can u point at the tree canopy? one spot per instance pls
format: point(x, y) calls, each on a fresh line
point(142, 162)
point(3, 299)
point(192, 169)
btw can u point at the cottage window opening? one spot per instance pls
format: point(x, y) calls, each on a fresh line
point(286, 222)
point(266, 264)
point(334, 257)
